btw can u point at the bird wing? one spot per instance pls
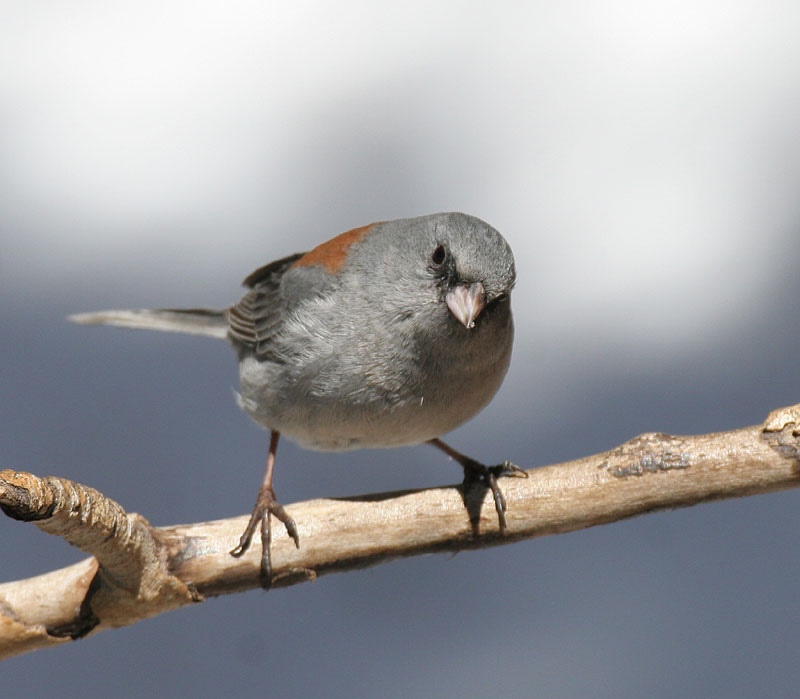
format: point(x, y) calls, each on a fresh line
point(253, 320)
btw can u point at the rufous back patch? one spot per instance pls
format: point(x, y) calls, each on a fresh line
point(332, 254)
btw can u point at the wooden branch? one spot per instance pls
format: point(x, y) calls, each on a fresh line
point(137, 571)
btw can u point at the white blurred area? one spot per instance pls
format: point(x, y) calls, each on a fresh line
point(642, 158)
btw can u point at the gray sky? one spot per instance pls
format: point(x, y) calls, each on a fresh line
point(642, 159)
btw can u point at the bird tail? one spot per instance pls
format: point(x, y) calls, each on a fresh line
point(195, 321)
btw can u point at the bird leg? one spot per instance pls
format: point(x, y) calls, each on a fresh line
point(266, 504)
point(476, 471)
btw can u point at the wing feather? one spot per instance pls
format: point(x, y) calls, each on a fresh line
point(257, 316)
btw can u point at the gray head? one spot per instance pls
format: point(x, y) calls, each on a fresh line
point(450, 260)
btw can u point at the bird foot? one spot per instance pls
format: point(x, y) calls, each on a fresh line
point(266, 505)
point(475, 471)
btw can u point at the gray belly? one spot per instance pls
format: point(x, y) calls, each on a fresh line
point(335, 406)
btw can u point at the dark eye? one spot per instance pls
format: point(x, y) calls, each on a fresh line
point(439, 253)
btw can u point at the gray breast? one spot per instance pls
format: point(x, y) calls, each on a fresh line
point(340, 393)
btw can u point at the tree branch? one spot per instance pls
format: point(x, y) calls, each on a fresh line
point(137, 571)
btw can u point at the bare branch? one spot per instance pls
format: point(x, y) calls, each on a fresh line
point(138, 571)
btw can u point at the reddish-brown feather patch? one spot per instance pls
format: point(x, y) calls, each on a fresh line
point(331, 255)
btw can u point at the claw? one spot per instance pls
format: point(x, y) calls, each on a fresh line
point(474, 471)
point(265, 568)
point(266, 505)
point(291, 528)
point(508, 469)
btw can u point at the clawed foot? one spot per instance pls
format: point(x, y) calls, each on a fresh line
point(266, 504)
point(476, 471)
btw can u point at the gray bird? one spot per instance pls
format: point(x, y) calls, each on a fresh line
point(388, 335)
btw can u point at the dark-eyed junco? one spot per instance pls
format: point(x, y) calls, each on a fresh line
point(388, 335)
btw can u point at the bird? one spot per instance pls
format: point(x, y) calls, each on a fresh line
point(391, 334)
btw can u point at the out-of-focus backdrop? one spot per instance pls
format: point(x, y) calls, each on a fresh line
point(643, 160)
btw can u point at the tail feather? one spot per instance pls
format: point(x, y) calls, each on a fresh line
point(195, 321)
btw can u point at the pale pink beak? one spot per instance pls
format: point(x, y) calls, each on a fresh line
point(466, 302)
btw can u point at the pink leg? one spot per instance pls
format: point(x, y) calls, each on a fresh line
point(266, 504)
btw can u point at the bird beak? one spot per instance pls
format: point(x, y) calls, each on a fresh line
point(466, 302)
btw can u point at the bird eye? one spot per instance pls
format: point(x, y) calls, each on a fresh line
point(439, 253)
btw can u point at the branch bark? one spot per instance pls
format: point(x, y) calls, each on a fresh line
point(137, 571)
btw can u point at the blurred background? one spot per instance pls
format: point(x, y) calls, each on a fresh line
point(643, 160)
